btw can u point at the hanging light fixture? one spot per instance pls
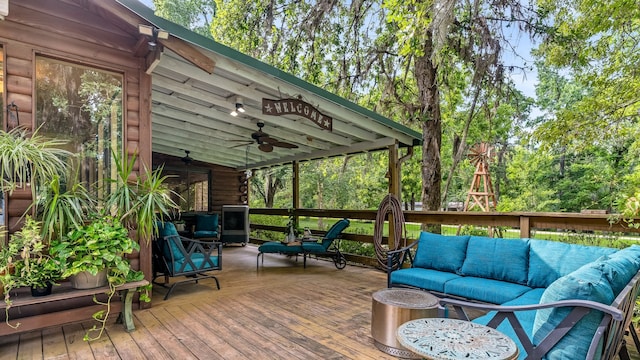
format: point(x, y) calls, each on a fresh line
point(153, 33)
point(239, 107)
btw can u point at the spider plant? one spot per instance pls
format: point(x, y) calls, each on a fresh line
point(29, 159)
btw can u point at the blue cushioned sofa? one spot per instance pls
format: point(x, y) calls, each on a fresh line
point(556, 300)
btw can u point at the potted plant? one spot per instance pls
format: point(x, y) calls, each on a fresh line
point(26, 262)
point(34, 267)
point(99, 247)
point(139, 202)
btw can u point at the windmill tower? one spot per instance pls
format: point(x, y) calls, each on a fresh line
point(481, 191)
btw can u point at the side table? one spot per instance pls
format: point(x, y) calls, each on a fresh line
point(449, 339)
point(393, 307)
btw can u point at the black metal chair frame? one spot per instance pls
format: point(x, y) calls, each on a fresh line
point(163, 266)
point(333, 252)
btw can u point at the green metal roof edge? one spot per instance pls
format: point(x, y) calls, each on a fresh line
point(212, 45)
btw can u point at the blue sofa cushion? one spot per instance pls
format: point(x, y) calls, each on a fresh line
point(428, 279)
point(586, 283)
point(550, 260)
point(444, 253)
point(312, 247)
point(199, 261)
point(278, 247)
point(486, 290)
point(499, 259)
point(170, 245)
point(620, 267)
point(526, 318)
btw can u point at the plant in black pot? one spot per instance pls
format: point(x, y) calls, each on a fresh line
point(33, 265)
point(26, 262)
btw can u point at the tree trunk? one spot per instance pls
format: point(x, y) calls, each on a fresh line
point(425, 73)
point(271, 187)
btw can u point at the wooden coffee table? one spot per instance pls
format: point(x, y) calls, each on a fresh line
point(448, 339)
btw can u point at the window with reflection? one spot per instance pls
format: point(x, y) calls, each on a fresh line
point(2, 118)
point(82, 105)
point(192, 184)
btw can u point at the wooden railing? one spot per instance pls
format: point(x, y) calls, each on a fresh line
point(525, 222)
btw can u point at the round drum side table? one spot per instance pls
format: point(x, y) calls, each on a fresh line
point(452, 339)
point(393, 307)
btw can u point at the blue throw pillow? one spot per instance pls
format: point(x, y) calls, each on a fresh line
point(207, 222)
point(550, 260)
point(444, 253)
point(621, 266)
point(586, 283)
point(498, 259)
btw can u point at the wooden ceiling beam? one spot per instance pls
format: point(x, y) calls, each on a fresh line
point(189, 53)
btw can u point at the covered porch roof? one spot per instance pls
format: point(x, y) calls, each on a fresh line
point(195, 92)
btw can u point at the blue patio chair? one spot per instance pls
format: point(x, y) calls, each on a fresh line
point(180, 256)
point(206, 226)
point(328, 246)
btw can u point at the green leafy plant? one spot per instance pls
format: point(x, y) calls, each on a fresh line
point(100, 244)
point(63, 209)
point(27, 262)
point(139, 201)
point(29, 158)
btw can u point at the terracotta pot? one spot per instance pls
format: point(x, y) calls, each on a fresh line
point(85, 280)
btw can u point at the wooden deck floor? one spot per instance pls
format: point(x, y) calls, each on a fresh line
point(281, 311)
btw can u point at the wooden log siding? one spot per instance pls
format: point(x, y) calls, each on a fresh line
point(71, 32)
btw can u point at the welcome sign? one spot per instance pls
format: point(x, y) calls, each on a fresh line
point(296, 107)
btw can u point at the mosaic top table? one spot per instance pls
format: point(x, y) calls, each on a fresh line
point(449, 339)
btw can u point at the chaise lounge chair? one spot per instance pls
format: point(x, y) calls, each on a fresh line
point(328, 246)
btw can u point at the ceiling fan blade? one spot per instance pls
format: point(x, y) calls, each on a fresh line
point(265, 147)
point(267, 140)
point(283, 144)
point(244, 143)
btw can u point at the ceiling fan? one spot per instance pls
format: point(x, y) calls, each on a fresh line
point(187, 159)
point(267, 143)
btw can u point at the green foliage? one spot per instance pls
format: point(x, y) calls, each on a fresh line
point(100, 244)
point(34, 267)
point(193, 14)
point(594, 44)
point(29, 158)
point(63, 210)
point(25, 262)
point(138, 201)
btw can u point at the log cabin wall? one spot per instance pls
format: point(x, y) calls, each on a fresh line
point(88, 33)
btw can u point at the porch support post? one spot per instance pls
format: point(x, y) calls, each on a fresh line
point(296, 187)
point(144, 160)
point(394, 170)
point(394, 188)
